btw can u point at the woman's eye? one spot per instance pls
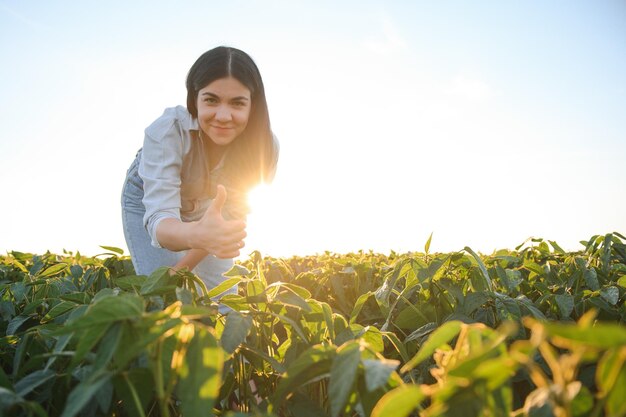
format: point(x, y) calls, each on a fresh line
point(210, 100)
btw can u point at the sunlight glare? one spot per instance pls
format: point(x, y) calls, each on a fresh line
point(257, 197)
point(262, 221)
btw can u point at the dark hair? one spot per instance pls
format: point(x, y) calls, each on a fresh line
point(251, 156)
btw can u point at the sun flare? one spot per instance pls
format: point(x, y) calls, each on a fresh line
point(265, 226)
point(258, 197)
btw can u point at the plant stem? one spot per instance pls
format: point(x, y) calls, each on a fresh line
point(159, 380)
point(133, 392)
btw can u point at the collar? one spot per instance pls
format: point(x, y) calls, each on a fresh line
point(187, 120)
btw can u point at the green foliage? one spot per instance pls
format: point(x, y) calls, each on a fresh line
point(531, 331)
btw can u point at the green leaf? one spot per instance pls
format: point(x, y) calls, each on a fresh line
point(32, 309)
point(496, 372)
point(109, 344)
point(82, 394)
point(599, 303)
point(301, 291)
point(237, 271)
point(528, 305)
point(439, 337)
point(515, 278)
point(76, 297)
point(236, 330)
point(507, 308)
point(107, 310)
point(310, 365)
point(510, 278)
point(184, 295)
point(615, 405)
point(7, 310)
point(504, 279)
point(582, 403)
point(534, 267)
point(5, 382)
point(200, 374)
point(62, 341)
point(113, 249)
point(135, 389)
point(397, 344)
point(137, 336)
point(19, 265)
point(373, 337)
point(378, 371)
point(130, 282)
point(252, 353)
point(565, 303)
point(20, 291)
point(299, 406)
point(197, 312)
point(556, 247)
point(482, 267)
point(500, 401)
point(427, 245)
point(399, 402)
point(9, 399)
point(591, 278)
point(52, 270)
point(76, 271)
point(159, 282)
point(87, 340)
point(421, 332)
point(104, 293)
point(342, 376)
point(21, 353)
point(609, 367)
point(622, 281)
point(610, 295)
point(15, 324)
point(31, 381)
point(410, 317)
point(328, 319)
point(294, 326)
point(289, 297)
point(603, 335)
point(223, 286)
point(474, 300)
point(383, 292)
point(59, 309)
point(105, 396)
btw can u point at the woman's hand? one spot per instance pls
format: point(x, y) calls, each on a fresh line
point(220, 237)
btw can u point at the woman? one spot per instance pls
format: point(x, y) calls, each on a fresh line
point(183, 201)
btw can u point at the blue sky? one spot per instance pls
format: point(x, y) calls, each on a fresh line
point(483, 122)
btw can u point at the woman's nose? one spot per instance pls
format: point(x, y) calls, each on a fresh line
point(223, 113)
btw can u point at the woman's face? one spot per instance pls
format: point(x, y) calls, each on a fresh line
point(223, 110)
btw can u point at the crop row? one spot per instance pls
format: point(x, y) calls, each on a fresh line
point(532, 331)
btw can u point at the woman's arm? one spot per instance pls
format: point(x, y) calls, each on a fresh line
point(160, 166)
point(191, 259)
point(212, 233)
point(174, 234)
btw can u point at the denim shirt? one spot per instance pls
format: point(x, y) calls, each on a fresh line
point(177, 180)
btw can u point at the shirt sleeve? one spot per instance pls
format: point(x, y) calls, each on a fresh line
point(160, 168)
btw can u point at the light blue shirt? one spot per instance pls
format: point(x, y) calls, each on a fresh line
point(177, 180)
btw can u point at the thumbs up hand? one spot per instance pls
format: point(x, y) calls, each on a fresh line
point(220, 237)
point(217, 204)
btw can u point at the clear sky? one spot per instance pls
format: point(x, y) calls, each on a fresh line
point(484, 122)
